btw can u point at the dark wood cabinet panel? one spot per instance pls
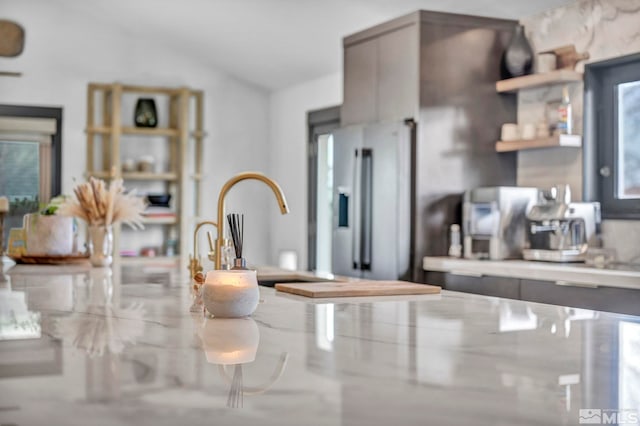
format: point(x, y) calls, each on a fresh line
point(360, 83)
point(434, 278)
point(609, 299)
point(561, 293)
point(508, 288)
point(398, 74)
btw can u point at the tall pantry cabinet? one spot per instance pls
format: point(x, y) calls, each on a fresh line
point(439, 71)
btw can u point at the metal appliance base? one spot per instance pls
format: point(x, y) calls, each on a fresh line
point(563, 256)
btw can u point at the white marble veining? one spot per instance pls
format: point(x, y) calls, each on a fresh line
point(621, 276)
point(120, 347)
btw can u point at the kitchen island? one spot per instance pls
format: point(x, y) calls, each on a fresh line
point(82, 346)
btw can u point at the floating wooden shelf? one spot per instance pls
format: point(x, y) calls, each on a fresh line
point(146, 131)
point(149, 131)
point(138, 176)
point(169, 261)
point(568, 141)
point(150, 176)
point(157, 90)
point(99, 175)
point(159, 220)
point(99, 130)
point(537, 80)
point(198, 134)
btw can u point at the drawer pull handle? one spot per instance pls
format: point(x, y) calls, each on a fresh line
point(570, 284)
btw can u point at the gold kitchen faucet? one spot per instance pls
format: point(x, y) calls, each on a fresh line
point(277, 191)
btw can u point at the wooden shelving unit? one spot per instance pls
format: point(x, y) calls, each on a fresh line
point(568, 141)
point(531, 81)
point(183, 135)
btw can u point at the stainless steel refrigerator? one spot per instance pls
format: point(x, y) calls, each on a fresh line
point(372, 200)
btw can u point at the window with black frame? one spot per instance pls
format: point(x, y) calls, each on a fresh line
point(612, 136)
point(30, 156)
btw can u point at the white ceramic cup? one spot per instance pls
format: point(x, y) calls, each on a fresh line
point(509, 132)
point(542, 130)
point(528, 131)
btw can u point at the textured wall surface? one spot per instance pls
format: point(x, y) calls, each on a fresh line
point(605, 29)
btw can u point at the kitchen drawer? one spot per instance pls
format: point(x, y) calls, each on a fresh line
point(610, 299)
point(434, 278)
point(486, 285)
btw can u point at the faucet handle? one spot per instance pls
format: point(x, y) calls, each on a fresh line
point(199, 278)
point(194, 265)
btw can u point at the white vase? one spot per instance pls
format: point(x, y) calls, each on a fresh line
point(100, 245)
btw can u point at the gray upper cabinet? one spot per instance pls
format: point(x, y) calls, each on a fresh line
point(398, 74)
point(360, 83)
point(381, 77)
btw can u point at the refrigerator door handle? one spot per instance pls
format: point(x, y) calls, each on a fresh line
point(366, 208)
point(355, 234)
point(343, 208)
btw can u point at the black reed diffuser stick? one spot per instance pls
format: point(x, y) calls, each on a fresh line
point(236, 227)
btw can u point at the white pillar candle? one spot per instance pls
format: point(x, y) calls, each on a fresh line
point(231, 294)
point(4, 204)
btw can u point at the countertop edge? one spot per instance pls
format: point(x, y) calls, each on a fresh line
point(579, 274)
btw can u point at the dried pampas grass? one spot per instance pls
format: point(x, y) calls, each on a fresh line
point(97, 205)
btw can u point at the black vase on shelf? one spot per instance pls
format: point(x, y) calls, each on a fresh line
point(145, 114)
point(517, 59)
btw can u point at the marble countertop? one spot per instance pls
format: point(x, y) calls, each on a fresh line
point(119, 346)
point(617, 275)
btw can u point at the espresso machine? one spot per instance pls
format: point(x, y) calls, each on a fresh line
point(493, 221)
point(559, 230)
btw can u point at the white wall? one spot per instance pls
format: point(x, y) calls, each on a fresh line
point(288, 158)
point(65, 50)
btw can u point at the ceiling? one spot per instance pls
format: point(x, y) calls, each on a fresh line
point(277, 43)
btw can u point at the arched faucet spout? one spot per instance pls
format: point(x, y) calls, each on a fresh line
point(277, 191)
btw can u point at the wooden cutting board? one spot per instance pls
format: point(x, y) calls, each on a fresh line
point(357, 288)
point(51, 259)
